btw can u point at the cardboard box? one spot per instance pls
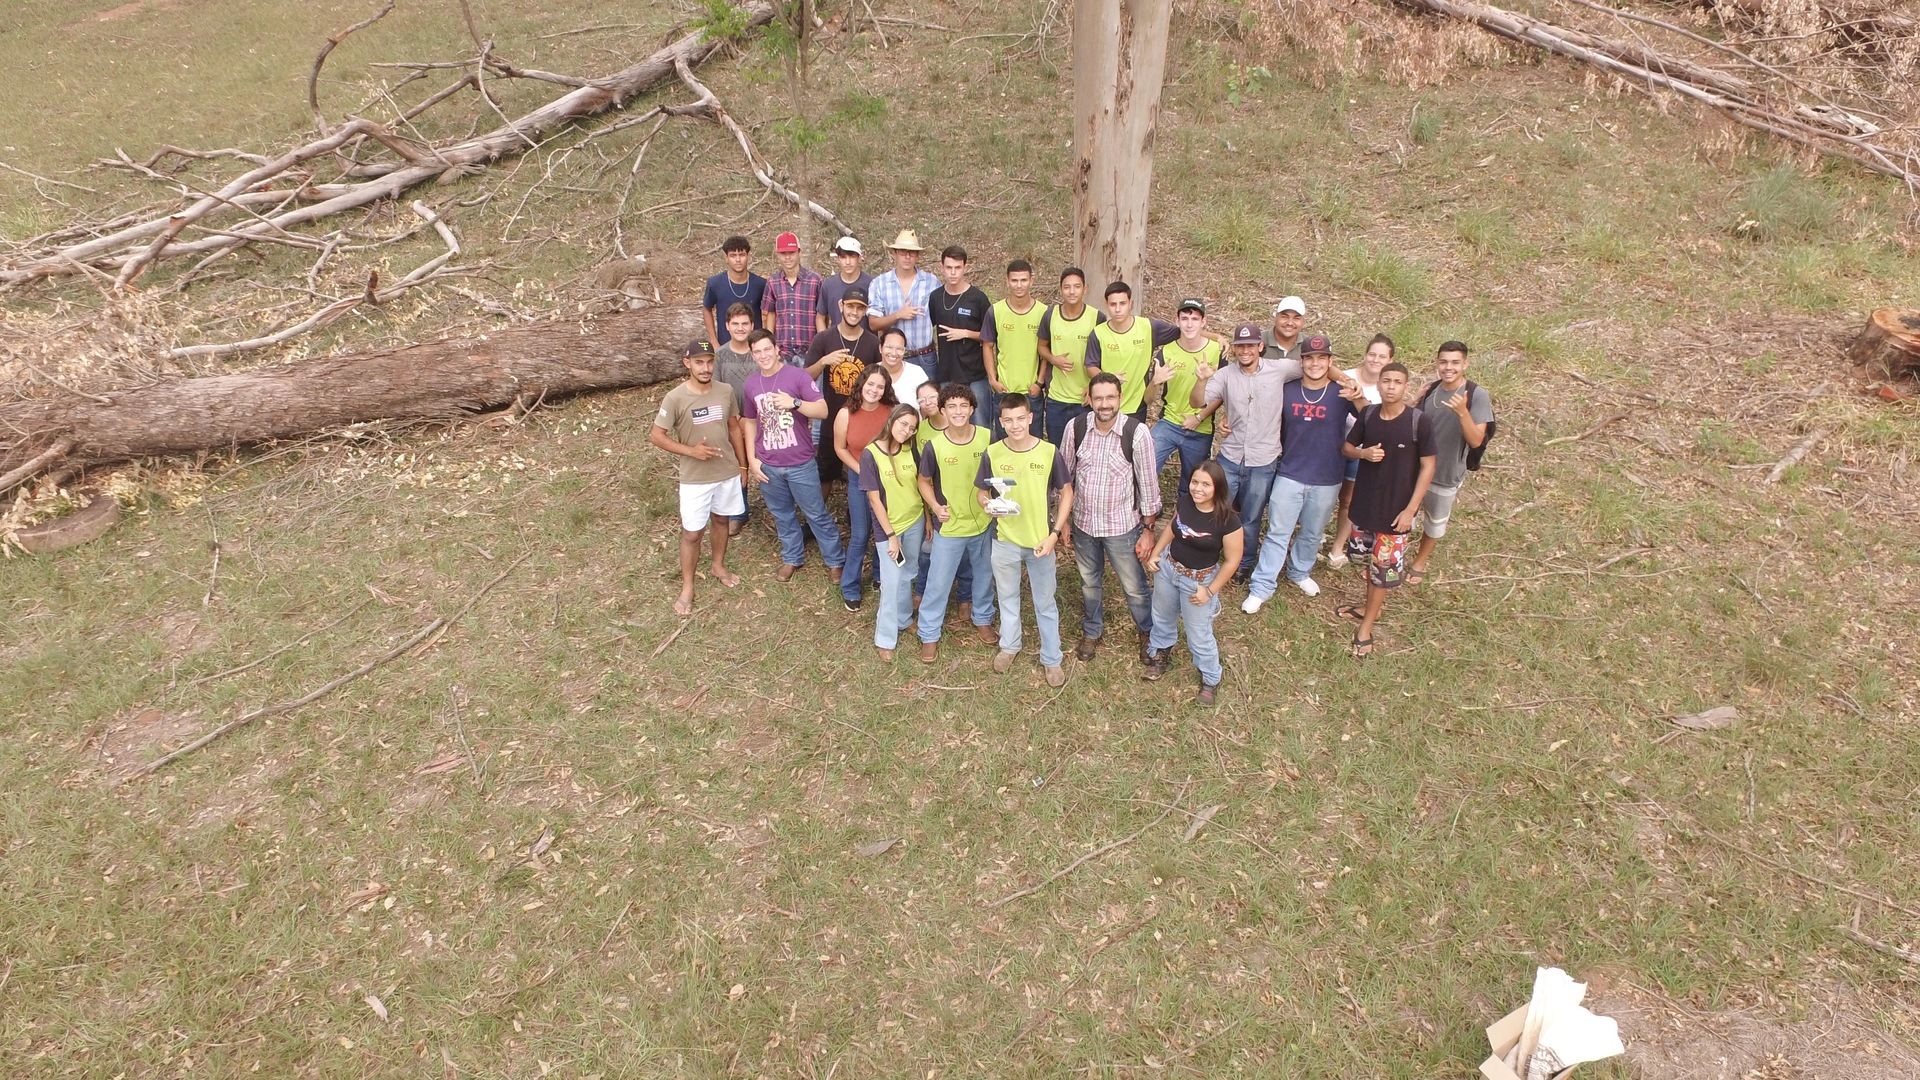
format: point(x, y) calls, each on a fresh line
point(1502, 1036)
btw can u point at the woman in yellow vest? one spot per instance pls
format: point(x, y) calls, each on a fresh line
point(891, 479)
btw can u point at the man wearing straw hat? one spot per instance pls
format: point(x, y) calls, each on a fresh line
point(899, 299)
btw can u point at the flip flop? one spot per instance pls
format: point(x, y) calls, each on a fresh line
point(1415, 577)
point(1362, 647)
point(1351, 611)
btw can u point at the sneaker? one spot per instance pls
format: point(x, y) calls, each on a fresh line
point(1002, 661)
point(1308, 585)
point(853, 603)
point(1337, 560)
point(1056, 676)
point(1204, 698)
point(1252, 604)
point(1156, 666)
point(1087, 647)
point(929, 651)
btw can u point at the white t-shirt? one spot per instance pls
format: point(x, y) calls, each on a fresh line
point(1372, 392)
point(907, 383)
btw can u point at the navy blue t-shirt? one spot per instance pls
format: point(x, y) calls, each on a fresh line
point(722, 294)
point(1313, 424)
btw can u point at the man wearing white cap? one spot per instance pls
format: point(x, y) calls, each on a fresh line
point(1281, 341)
point(899, 299)
point(846, 256)
point(1247, 395)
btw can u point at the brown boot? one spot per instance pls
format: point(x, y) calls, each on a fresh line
point(929, 651)
point(987, 635)
point(1086, 649)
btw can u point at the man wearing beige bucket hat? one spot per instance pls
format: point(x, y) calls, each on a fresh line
point(899, 299)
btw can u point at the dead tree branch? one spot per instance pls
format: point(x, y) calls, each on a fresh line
point(1830, 130)
point(129, 251)
point(313, 76)
point(709, 106)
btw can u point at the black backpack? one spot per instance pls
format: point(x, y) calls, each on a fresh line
point(1474, 453)
point(1128, 425)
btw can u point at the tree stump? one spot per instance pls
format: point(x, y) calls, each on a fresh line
point(1890, 345)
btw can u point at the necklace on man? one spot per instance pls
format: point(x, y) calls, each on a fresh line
point(740, 293)
point(1313, 400)
point(947, 305)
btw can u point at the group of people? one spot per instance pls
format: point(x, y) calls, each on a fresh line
point(979, 437)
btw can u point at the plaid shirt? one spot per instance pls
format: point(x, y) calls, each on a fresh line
point(885, 298)
point(794, 305)
point(1107, 501)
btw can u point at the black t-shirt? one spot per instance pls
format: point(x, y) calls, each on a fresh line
point(1197, 539)
point(1384, 488)
point(836, 382)
point(964, 360)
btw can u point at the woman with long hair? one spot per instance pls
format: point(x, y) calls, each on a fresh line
point(1379, 355)
point(890, 480)
point(853, 428)
point(1194, 557)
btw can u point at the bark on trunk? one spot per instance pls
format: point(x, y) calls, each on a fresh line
point(1119, 65)
point(1890, 345)
point(434, 379)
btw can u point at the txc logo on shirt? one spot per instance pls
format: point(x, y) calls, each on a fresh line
point(708, 414)
point(1305, 411)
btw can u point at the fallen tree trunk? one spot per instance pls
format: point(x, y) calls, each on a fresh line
point(129, 251)
point(1831, 130)
point(432, 380)
point(1890, 345)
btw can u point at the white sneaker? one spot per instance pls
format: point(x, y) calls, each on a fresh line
point(1251, 605)
point(1337, 559)
point(1309, 586)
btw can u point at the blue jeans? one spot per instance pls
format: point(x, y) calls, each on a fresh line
point(1193, 447)
point(1008, 560)
point(962, 582)
point(895, 612)
point(953, 556)
point(1248, 486)
point(986, 407)
point(1173, 607)
point(790, 492)
point(1090, 553)
point(926, 362)
point(1310, 506)
point(1059, 415)
point(859, 532)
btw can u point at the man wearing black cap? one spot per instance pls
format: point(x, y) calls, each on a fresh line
point(1313, 422)
point(699, 422)
point(1244, 398)
point(835, 358)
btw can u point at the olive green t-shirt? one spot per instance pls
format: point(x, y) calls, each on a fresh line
point(699, 417)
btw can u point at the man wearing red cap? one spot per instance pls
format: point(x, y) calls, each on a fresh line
point(792, 301)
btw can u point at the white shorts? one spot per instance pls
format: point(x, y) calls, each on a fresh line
point(699, 502)
point(1436, 508)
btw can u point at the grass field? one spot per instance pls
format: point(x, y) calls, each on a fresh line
point(574, 837)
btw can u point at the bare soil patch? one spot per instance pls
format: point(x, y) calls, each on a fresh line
point(1665, 1039)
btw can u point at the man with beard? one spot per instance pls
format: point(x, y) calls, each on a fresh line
point(1108, 457)
point(699, 423)
point(1244, 398)
point(836, 357)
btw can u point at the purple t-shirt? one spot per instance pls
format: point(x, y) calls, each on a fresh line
point(782, 437)
point(1313, 424)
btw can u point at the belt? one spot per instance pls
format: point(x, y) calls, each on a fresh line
point(921, 352)
point(1189, 571)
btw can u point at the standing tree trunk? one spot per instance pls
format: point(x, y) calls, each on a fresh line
point(1119, 64)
